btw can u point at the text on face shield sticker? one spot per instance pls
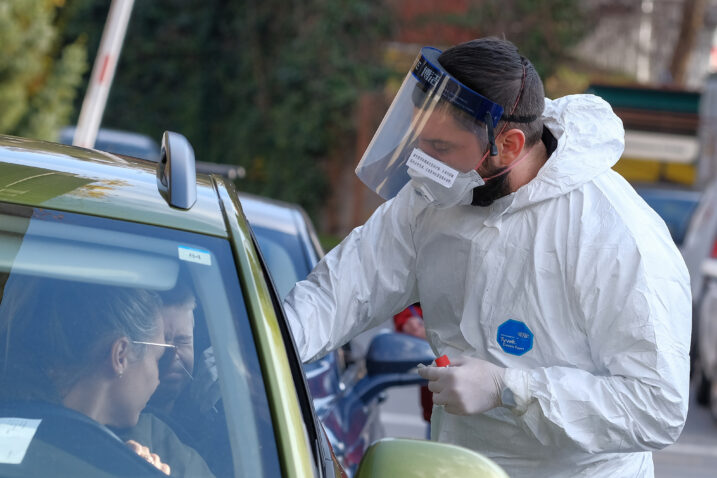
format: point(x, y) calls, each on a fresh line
point(199, 256)
point(432, 168)
point(15, 437)
point(514, 337)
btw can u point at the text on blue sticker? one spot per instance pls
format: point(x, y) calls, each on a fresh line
point(514, 337)
point(191, 254)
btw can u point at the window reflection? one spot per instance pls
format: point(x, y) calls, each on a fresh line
point(107, 331)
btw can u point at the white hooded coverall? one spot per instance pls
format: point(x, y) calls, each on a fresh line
point(575, 256)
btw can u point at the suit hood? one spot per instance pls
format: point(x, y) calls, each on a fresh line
point(590, 139)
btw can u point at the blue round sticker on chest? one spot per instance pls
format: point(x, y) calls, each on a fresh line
point(514, 337)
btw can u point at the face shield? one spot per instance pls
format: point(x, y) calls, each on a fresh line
point(432, 114)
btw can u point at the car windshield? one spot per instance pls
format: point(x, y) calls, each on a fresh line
point(114, 332)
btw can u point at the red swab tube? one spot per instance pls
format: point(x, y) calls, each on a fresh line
point(443, 361)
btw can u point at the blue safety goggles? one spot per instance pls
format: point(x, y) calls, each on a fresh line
point(429, 73)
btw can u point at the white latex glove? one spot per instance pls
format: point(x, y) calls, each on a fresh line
point(205, 386)
point(468, 386)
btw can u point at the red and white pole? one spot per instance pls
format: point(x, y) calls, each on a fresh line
point(103, 72)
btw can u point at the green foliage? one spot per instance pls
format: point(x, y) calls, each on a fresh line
point(269, 85)
point(566, 81)
point(329, 241)
point(311, 83)
point(272, 84)
point(38, 80)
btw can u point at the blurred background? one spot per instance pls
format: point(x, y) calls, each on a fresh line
point(292, 92)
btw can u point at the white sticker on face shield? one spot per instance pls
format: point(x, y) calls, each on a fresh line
point(432, 168)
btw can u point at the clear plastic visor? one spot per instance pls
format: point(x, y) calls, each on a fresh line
point(434, 112)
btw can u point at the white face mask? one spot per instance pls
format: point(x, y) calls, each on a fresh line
point(441, 185)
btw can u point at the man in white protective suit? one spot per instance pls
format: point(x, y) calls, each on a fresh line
point(555, 291)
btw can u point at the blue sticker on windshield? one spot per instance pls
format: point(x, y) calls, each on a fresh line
point(514, 337)
point(190, 254)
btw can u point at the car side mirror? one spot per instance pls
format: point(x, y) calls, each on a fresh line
point(417, 458)
point(391, 360)
point(393, 352)
point(176, 171)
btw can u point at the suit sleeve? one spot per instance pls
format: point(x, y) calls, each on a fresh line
point(360, 283)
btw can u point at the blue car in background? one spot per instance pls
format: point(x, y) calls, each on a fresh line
point(346, 389)
point(679, 209)
point(675, 207)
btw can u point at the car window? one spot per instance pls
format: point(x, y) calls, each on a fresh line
point(113, 331)
point(289, 261)
point(284, 256)
point(322, 453)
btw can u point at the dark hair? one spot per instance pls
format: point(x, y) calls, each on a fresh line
point(52, 332)
point(493, 68)
point(423, 101)
point(180, 295)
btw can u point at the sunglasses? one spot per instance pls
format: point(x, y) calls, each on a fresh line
point(170, 348)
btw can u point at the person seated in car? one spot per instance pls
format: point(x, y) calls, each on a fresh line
point(91, 348)
point(175, 374)
point(177, 365)
point(188, 402)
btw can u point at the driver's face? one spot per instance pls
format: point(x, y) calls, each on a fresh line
point(175, 368)
point(445, 139)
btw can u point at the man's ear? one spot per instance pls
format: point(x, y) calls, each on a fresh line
point(510, 144)
point(119, 355)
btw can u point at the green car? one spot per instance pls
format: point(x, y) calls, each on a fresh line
point(94, 250)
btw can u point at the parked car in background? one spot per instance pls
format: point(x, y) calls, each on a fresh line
point(699, 245)
point(128, 143)
point(79, 226)
point(700, 252)
point(706, 363)
point(675, 207)
point(701, 237)
point(683, 213)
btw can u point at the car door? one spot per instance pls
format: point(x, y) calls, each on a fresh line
point(290, 249)
point(47, 254)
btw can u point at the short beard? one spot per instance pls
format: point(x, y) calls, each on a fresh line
point(493, 189)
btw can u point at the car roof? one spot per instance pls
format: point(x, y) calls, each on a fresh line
point(289, 218)
point(55, 176)
point(271, 213)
